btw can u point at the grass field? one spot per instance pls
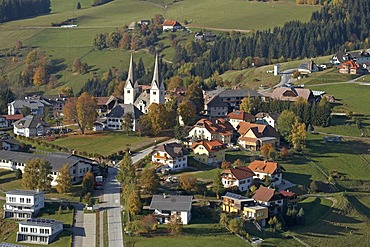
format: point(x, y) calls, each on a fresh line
point(327, 76)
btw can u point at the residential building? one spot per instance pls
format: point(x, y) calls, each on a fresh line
point(10, 144)
point(37, 107)
point(30, 126)
point(240, 177)
point(6, 121)
point(292, 94)
point(106, 104)
point(290, 198)
point(216, 107)
point(165, 206)
point(171, 25)
point(173, 155)
point(213, 129)
point(38, 231)
point(78, 166)
point(234, 203)
point(262, 169)
point(205, 36)
point(253, 136)
point(115, 118)
point(308, 67)
point(23, 204)
point(267, 119)
point(350, 67)
point(209, 152)
point(270, 198)
point(239, 116)
point(256, 213)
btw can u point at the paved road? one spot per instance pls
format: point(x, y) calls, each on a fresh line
point(113, 207)
point(286, 75)
point(90, 229)
point(78, 228)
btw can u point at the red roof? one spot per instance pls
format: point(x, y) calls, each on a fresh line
point(260, 130)
point(13, 117)
point(211, 146)
point(218, 125)
point(264, 194)
point(287, 193)
point(265, 167)
point(171, 23)
point(239, 172)
point(240, 115)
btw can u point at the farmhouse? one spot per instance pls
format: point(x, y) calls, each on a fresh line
point(253, 136)
point(173, 155)
point(165, 206)
point(38, 231)
point(239, 116)
point(78, 166)
point(171, 25)
point(30, 126)
point(214, 129)
point(240, 177)
point(291, 94)
point(270, 198)
point(262, 169)
point(23, 204)
point(350, 67)
point(209, 152)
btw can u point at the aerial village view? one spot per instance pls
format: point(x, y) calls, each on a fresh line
point(212, 123)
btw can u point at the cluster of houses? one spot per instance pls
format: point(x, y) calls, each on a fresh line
point(25, 205)
point(355, 63)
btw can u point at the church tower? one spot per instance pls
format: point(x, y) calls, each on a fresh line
point(129, 93)
point(157, 90)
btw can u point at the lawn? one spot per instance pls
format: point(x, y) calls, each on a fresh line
point(326, 76)
point(105, 143)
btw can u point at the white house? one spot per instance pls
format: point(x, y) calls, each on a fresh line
point(269, 197)
point(262, 169)
point(173, 155)
point(171, 25)
point(37, 107)
point(267, 119)
point(30, 126)
point(212, 129)
point(240, 177)
point(239, 116)
point(38, 231)
point(78, 166)
point(23, 204)
point(115, 117)
point(165, 206)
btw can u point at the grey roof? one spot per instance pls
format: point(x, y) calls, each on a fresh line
point(31, 103)
point(30, 121)
point(216, 101)
point(3, 244)
point(145, 97)
point(24, 192)
point(170, 202)
point(239, 93)
point(57, 160)
point(174, 149)
point(235, 196)
point(40, 222)
point(12, 141)
point(120, 110)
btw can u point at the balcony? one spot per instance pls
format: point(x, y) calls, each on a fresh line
point(157, 156)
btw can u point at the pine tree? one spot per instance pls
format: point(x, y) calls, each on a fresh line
point(150, 181)
point(64, 180)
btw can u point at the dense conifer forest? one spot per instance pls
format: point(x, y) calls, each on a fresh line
point(16, 9)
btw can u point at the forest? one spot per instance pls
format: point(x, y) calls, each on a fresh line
point(17, 9)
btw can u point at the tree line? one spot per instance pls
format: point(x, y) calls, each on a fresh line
point(17, 9)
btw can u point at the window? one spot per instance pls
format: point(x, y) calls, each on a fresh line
point(128, 91)
point(21, 200)
point(47, 231)
point(41, 230)
point(74, 171)
point(33, 230)
point(28, 200)
point(154, 93)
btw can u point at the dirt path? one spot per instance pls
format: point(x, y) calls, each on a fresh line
point(219, 29)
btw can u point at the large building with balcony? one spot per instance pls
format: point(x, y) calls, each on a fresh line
point(234, 203)
point(23, 204)
point(262, 169)
point(270, 198)
point(38, 231)
point(209, 152)
point(240, 177)
point(30, 126)
point(173, 155)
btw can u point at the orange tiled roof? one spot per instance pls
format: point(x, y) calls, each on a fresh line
point(13, 117)
point(218, 125)
point(240, 115)
point(170, 23)
point(211, 146)
point(265, 167)
point(239, 172)
point(264, 194)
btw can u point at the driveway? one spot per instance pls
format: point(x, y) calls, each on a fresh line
point(286, 75)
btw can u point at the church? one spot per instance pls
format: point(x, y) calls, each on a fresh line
point(142, 96)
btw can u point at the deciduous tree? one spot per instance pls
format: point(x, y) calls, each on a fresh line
point(194, 93)
point(188, 182)
point(88, 182)
point(157, 114)
point(174, 226)
point(144, 127)
point(150, 181)
point(217, 185)
point(127, 124)
point(285, 124)
point(86, 111)
point(64, 180)
point(133, 202)
point(36, 174)
point(187, 112)
point(298, 135)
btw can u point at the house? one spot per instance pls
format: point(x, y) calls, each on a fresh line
point(240, 177)
point(290, 198)
point(115, 118)
point(209, 152)
point(361, 57)
point(23, 204)
point(10, 144)
point(234, 203)
point(106, 104)
point(78, 166)
point(350, 67)
point(173, 155)
point(239, 116)
point(292, 94)
point(253, 136)
point(138, 24)
point(6, 121)
point(171, 25)
point(30, 126)
point(267, 119)
point(256, 213)
point(232, 97)
point(38, 231)
point(216, 107)
point(213, 129)
point(205, 36)
point(269, 197)
point(307, 68)
point(265, 168)
point(142, 96)
point(57, 102)
point(37, 107)
point(165, 206)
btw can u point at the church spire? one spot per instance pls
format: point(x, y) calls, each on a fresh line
point(156, 81)
point(130, 77)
